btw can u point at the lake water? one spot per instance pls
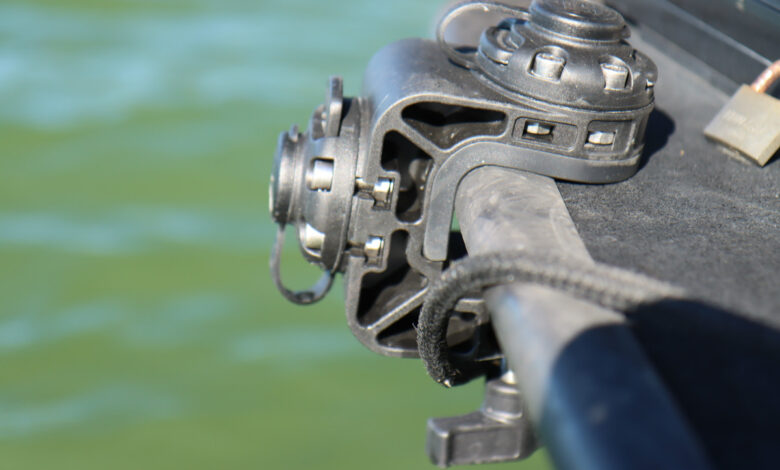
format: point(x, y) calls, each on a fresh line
point(138, 324)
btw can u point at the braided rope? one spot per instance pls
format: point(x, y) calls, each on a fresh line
point(610, 287)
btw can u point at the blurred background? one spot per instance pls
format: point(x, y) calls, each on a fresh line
point(139, 327)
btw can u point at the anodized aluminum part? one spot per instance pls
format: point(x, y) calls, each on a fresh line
point(370, 187)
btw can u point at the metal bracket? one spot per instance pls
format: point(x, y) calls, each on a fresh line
point(370, 186)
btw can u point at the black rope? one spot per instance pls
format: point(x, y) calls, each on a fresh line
point(607, 286)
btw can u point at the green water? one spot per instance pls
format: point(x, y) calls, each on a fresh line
point(138, 324)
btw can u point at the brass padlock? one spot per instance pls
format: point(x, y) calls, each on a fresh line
point(750, 121)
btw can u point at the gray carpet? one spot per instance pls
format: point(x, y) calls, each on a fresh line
point(692, 215)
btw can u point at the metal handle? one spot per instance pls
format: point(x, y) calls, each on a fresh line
point(462, 58)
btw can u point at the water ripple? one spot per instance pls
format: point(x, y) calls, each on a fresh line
point(59, 67)
point(294, 346)
point(137, 230)
point(167, 322)
point(114, 405)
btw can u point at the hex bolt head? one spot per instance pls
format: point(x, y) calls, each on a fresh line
point(601, 137)
point(313, 239)
point(548, 66)
point(383, 190)
point(537, 128)
point(373, 247)
point(320, 175)
point(615, 76)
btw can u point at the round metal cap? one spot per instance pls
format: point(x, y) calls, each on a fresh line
point(578, 18)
